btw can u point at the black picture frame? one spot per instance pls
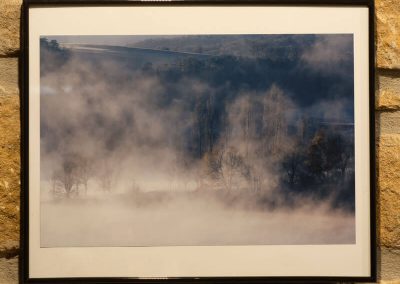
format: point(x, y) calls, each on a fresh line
point(24, 275)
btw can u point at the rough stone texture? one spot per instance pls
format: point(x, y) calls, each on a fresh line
point(388, 92)
point(390, 266)
point(8, 76)
point(8, 249)
point(388, 100)
point(388, 154)
point(389, 122)
point(9, 27)
point(388, 33)
point(9, 270)
point(9, 173)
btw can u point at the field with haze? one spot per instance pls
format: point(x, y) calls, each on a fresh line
point(197, 140)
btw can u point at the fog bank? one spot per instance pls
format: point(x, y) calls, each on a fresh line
point(186, 221)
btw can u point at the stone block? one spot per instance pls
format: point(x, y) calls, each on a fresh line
point(9, 27)
point(388, 33)
point(388, 156)
point(8, 76)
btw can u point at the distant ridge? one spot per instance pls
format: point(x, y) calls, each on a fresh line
point(113, 48)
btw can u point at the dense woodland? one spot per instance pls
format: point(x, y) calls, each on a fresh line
point(245, 121)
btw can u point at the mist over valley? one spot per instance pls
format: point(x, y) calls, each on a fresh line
point(198, 140)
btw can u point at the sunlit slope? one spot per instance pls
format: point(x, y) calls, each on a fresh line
point(135, 57)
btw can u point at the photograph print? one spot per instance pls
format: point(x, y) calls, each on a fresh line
point(197, 140)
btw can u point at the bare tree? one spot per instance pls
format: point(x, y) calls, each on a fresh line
point(106, 176)
point(228, 166)
point(84, 172)
point(54, 183)
point(291, 165)
point(67, 175)
point(274, 122)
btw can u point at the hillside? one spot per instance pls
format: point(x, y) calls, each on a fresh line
point(273, 47)
point(134, 55)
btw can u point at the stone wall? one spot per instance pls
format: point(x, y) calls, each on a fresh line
point(388, 136)
point(387, 142)
point(9, 140)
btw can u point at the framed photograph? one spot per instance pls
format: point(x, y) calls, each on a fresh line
point(198, 141)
